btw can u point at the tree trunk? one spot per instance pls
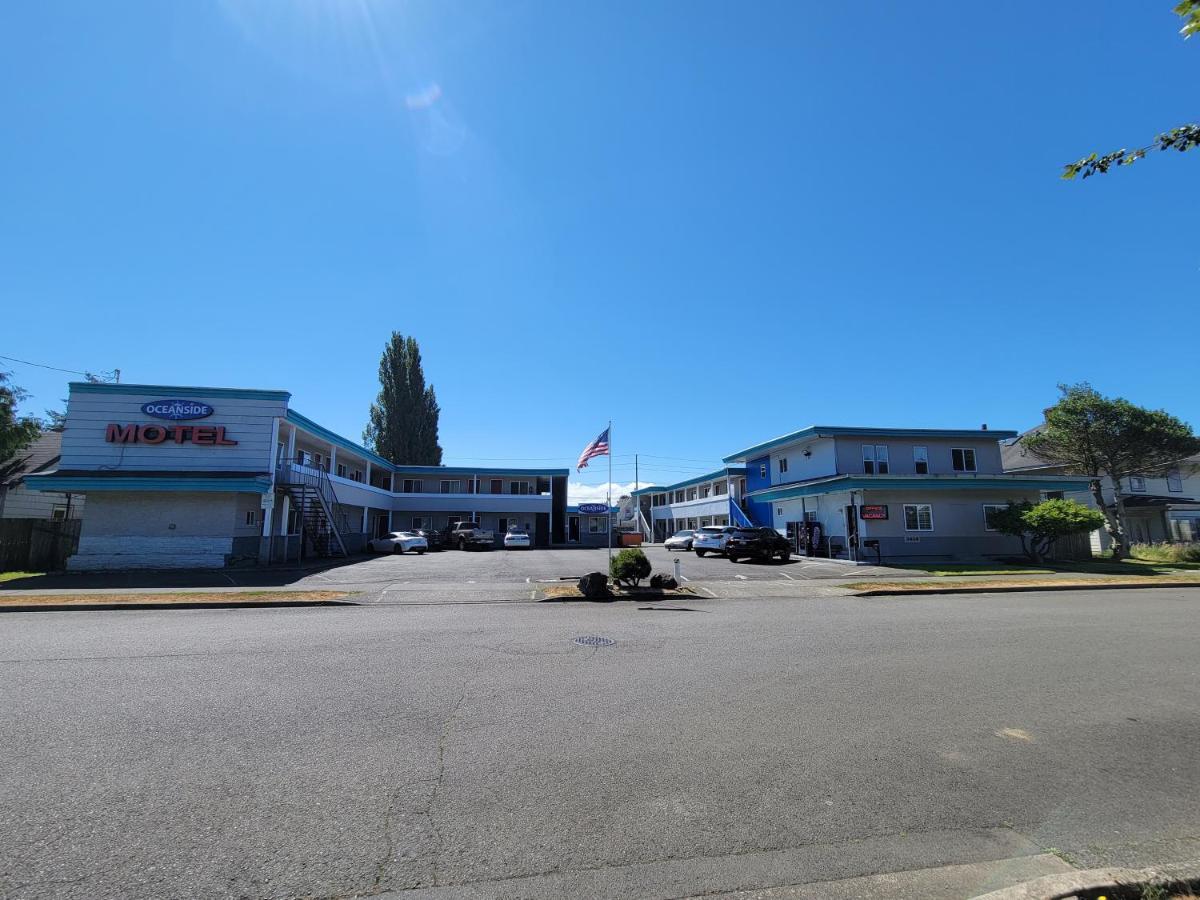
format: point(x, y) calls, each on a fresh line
point(1113, 523)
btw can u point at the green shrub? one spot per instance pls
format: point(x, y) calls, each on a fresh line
point(1166, 552)
point(629, 567)
point(1039, 527)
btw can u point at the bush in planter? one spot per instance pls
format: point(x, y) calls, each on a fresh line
point(629, 567)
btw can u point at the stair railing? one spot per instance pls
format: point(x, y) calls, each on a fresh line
point(299, 473)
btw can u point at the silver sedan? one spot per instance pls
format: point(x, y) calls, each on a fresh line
point(680, 540)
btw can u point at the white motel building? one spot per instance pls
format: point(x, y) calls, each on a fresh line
point(194, 477)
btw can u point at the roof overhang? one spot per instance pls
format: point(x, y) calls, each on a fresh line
point(189, 482)
point(823, 431)
point(921, 483)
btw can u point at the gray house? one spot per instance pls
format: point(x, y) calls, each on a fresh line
point(18, 502)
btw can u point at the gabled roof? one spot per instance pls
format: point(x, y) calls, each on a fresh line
point(40, 456)
point(815, 431)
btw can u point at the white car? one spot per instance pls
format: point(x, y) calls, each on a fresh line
point(517, 540)
point(399, 542)
point(680, 540)
point(712, 539)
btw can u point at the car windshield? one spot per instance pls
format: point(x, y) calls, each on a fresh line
point(518, 533)
point(687, 532)
point(746, 532)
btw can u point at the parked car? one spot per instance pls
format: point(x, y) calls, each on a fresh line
point(517, 539)
point(432, 537)
point(680, 540)
point(758, 543)
point(399, 542)
point(712, 539)
point(469, 536)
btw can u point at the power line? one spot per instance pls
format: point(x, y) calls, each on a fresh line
point(42, 366)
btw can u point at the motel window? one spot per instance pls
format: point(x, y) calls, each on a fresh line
point(718, 487)
point(741, 487)
point(596, 524)
point(418, 522)
point(520, 487)
point(921, 460)
point(1137, 483)
point(451, 521)
point(918, 517)
point(58, 514)
point(692, 524)
point(497, 485)
point(783, 465)
point(679, 496)
point(412, 486)
point(252, 517)
point(989, 510)
point(502, 526)
point(1174, 481)
point(452, 487)
point(704, 491)
point(962, 459)
point(1053, 495)
point(341, 471)
point(875, 459)
point(762, 471)
point(691, 493)
point(358, 475)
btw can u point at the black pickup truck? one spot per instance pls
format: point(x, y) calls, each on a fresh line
point(758, 543)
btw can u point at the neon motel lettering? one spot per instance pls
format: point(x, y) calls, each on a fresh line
point(204, 435)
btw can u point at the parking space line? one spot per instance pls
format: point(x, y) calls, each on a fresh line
point(741, 577)
point(787, 576)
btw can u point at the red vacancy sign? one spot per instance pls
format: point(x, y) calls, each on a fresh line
point(873, 512)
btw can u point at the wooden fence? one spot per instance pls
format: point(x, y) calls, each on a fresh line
point(37, 545)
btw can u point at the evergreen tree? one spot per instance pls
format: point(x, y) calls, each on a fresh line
point(403, 421)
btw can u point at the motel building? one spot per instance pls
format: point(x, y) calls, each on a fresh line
point(711, 499)
point(192, 477)
point(861, 494)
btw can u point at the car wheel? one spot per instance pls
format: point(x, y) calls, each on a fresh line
point(701, 553)
point(785, 556)
point(420, 553)
point(733, 558)
point(396, 548)
point(462, 545)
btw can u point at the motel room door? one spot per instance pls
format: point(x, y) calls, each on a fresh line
point(573, 529)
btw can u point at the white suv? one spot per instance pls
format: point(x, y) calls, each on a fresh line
point(712, 539)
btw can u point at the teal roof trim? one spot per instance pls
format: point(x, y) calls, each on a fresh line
point(83, 483)
point(917, 483)
point(321, 431)
point(813, 431)
point(174, 390)
point(699, 479)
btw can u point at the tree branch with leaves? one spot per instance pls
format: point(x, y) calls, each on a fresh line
point(1181, 139)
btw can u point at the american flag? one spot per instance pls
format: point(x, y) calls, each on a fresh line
point(598, 447)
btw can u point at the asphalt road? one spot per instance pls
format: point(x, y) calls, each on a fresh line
point(478, 751)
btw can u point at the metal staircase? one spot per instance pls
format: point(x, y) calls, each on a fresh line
point(316, 506)
point(737, 515)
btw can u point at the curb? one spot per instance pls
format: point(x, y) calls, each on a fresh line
point(1019, 589)
point(1089, 882)
point(224, 604)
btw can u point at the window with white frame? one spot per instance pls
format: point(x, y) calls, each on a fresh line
point(691, 493)
point(1137, 483)
point(451, 487)
point(1053, 495)
point(413, 486)
point(704, 491)
point(418, 522)
point(1174, 481)
point(783, 465)
point(762, 471)
point(341, 470)
point(875, 459)
point(990, 510)
point(692, 524)
point(921, 460)
point(58, 513)
point(251, 517)
point(918, 517)
point(719, 487)
point(597, 524)
point(453, 520)
point(962, 459)
point(679, 496)
point(502, 525)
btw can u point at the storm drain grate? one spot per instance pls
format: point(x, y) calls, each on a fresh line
point(591, 640)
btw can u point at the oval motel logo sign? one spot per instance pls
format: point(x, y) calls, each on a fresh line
point(175, 410)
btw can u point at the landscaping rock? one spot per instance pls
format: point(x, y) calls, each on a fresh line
point(594, 585)
point(663, 582)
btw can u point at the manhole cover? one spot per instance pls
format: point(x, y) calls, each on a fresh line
point(591, 640)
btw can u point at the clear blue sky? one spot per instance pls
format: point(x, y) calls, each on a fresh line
point(713, 222)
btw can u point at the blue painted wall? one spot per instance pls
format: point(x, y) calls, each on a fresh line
point(759, 512)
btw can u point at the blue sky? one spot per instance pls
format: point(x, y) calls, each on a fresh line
point(711, 222)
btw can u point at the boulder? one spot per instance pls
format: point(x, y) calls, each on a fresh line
point(594, 585)
point(663, 582)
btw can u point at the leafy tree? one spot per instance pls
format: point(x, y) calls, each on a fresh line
point(16, 433)
point(1183, 138)
point(629, 567)
point(403, 423)
point(1099, 436)
point(1040, 527)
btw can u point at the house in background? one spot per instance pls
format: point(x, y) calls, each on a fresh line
point(906, 493)
point(18, 502)
point(1158, 507)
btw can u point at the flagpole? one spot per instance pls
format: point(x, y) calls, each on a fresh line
point(610, 449)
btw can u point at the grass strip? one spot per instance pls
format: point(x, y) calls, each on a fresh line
point(172, 598)
point(984, 585)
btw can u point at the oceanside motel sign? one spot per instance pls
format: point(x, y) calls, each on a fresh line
point(177, 411)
